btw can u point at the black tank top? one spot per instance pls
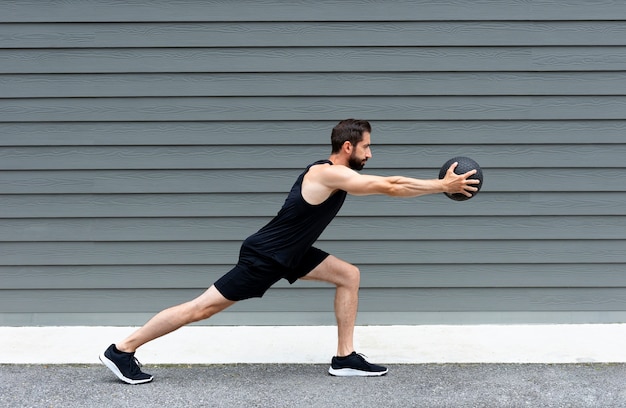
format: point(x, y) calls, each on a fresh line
point(297, 225)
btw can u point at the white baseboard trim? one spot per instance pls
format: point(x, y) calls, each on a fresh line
point(568, 343)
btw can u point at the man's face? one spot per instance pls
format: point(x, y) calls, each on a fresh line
point(360, 153)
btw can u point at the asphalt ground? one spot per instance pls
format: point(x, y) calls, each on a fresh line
point(309, 385)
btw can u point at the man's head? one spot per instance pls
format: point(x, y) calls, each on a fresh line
point(352, 131)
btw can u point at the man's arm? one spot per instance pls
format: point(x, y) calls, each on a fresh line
point(344, 178)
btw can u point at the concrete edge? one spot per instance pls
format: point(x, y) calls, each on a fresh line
point(569, 343)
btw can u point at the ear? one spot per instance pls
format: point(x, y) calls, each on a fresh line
point(347, 146)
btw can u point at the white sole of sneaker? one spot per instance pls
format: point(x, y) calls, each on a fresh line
point(111, 366)
point(351, 372)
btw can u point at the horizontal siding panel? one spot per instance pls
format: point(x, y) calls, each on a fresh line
point(156, 157)
point(267, 204)
point(309, 34)
point(289, 157)
point(220, 133)
point(152, 181)
point(285, 318)
point(372, 276)
point(392, 252)
point(313, 59)
point(313, 84)
point(313, 108)
point(324, 10)
point(342, 228)
point(306, 300)
point(246, 181)
point(140, 205)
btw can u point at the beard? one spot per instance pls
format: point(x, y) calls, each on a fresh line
point(355, 163)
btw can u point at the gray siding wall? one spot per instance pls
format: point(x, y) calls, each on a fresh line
point(141, 143)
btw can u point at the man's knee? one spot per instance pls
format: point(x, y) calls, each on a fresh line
point(351, 276)
point(208, 304)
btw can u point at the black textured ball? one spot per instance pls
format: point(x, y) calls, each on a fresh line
point(465, 164)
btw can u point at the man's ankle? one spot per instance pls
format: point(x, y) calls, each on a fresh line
point(344, 353)
point(123, 349)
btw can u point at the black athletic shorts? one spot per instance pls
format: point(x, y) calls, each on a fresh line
point(254, 274)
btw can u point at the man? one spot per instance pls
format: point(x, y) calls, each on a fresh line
point(283, 249)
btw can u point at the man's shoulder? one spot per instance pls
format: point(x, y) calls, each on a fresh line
point(328, 169)
point(331, 177)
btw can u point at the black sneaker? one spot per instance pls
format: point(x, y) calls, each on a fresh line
point(124, 365)
point(355, 365)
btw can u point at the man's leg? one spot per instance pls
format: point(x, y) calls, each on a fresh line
point(201, 308)
point(346, 277)
point(120, 358)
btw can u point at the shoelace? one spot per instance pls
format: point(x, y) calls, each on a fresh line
point(135, 365)
point(363, 359)
point(363, 356)
point(137, 362)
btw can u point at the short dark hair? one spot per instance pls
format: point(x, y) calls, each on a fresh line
point(348, 130)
